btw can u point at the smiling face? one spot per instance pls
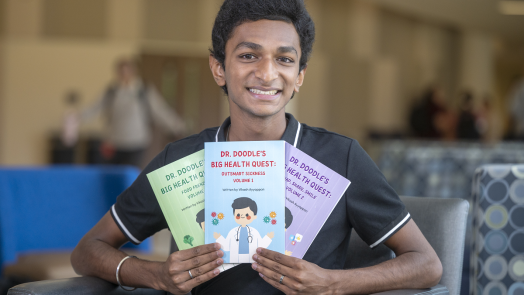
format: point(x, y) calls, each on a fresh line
point(261, 68)
point(244, 216)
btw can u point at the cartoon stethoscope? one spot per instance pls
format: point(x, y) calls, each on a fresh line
point(249, 236)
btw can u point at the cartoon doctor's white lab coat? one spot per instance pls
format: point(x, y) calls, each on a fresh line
point(230, 243)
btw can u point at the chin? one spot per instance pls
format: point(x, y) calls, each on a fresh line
point(264, 111)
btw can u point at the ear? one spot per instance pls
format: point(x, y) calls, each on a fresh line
point(300, 79)
point(254, 217)
point(217, 70)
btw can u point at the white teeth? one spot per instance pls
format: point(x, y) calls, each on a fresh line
point(256, 91)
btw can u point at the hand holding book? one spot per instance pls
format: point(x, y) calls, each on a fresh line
point(294, 275)
point(186, 269)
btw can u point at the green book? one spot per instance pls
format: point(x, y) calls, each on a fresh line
point(179, 189)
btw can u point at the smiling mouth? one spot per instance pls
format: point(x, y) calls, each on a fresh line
point(257, 91)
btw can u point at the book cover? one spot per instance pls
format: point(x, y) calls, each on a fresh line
point(179, 189)
point(245, 188)
point(312, 192)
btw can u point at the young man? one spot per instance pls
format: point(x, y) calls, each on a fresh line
point(243, 241)
point(259, 57)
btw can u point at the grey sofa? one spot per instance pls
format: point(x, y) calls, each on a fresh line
point(442, 221)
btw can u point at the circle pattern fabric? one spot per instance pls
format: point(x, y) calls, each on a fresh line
point(497, 191)
point(479, 243)
point(499, 171)
point(495, 288)
point(516, 268)
point(516, 217)
point(516, 289)
point(516, 242)
point(496, 217)
point(496, 268)
point(496, 242)
point(480, 267)
point(498, 230)
point(516, 191)
point(518, 171)
point(480, 217)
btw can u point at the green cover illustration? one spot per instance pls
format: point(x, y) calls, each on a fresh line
point(179, 189)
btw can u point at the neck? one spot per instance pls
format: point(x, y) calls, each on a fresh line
point(250, 128)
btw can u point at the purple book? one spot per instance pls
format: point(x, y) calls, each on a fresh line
point(312, 192)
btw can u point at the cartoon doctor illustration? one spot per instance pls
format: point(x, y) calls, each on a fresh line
point(243, 241)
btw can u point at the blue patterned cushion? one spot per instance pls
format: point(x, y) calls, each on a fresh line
point(498, 227)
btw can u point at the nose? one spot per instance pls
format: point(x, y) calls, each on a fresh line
point(266, 70)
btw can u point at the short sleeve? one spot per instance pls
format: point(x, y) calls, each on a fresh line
point(136, 211)
point(374, 209)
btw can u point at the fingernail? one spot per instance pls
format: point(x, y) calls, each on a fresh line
point(218, 246)
point(255, 257)
point(259, 250)
point(261, 275)
point(216, 271)
point(220, 253)
point(254, 266)
point(219, 262)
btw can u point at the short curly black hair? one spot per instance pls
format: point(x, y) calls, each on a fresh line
point(233, 13)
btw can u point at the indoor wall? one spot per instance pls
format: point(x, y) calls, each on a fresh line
point(368, 65)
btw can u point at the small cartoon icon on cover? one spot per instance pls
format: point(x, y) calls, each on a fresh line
point(298, 237)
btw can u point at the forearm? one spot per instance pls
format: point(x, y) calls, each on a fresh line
point(411, 270)
point(99, 259)
point(97, 255)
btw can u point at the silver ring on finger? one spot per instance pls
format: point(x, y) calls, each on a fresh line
point(189, 271)
point(281, 279)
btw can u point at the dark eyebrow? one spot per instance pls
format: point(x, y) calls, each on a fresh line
point(254, 46)
point(249, 45)
point(287, 49)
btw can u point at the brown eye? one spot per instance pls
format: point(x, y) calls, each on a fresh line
point(238, 215)
point(247, 56)
point(286, 60)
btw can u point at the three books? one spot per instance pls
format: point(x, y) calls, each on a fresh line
point(246, 195)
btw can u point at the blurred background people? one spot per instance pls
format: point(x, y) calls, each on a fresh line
point(130, 107)
point(430, 117)
point(71, 121)
point(467, 121)
point(517, 109)
point(489, 121)
point(64, 143)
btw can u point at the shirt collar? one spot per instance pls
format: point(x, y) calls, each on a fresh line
point(291, 135)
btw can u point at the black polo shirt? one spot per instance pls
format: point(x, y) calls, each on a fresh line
point(370, 205)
